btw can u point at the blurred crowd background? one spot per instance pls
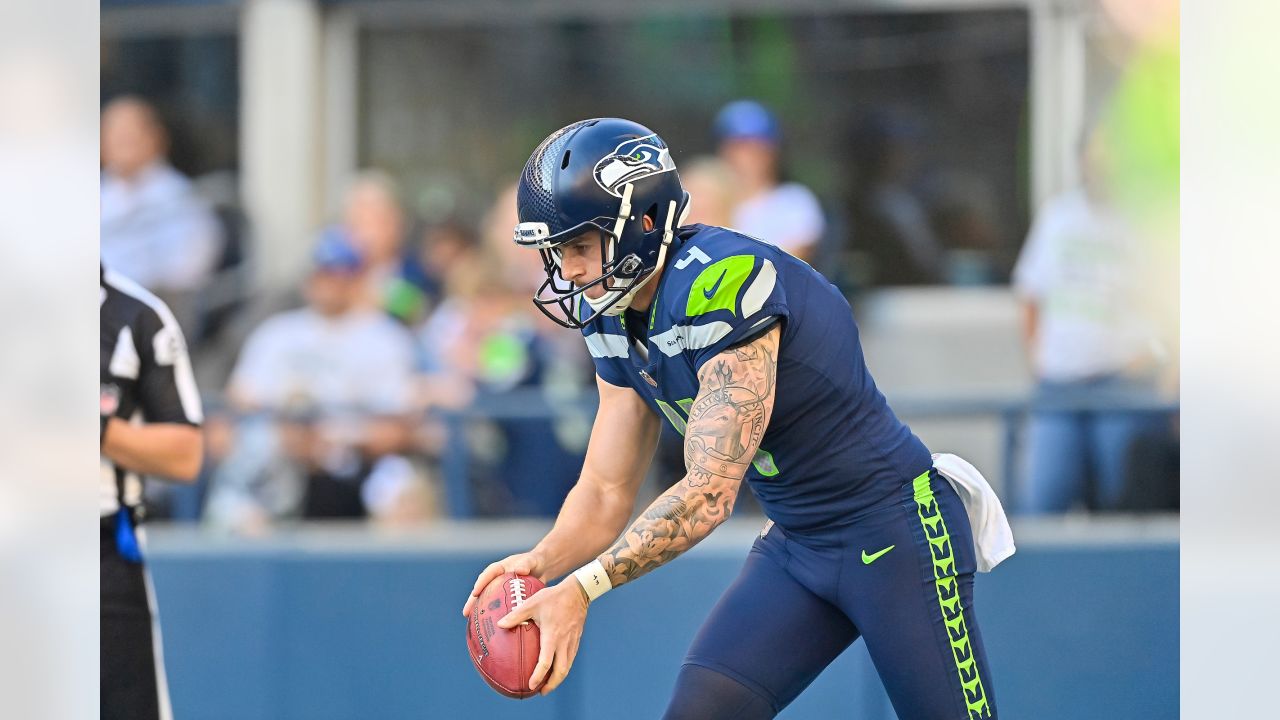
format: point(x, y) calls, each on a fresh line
point(324, 194)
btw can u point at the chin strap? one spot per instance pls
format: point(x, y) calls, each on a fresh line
point(624, 214)
point(618, 306)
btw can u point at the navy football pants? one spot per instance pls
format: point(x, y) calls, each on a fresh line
point(798, 603)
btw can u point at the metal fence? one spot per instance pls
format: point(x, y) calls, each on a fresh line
point(1012, 412)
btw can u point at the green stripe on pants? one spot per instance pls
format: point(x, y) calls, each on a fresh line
point(944, 581)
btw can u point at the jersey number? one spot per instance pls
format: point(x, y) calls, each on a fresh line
point(694, 254)
point(763, 461)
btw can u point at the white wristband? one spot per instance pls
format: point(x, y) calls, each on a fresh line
point(593, 579)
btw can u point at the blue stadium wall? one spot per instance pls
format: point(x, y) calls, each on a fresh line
point(344, 624)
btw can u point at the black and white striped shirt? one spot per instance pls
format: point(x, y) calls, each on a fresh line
point(146, 374)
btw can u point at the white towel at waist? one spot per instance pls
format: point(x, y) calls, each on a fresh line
point(992, 536)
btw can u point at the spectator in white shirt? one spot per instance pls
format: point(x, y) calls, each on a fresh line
point(1092, 348)
point(331, 385)
point(155, 229)
point(785, 214)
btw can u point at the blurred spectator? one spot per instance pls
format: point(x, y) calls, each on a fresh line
point(483, 339)
point(522, 275)
point(522, 270)
point(481, 332)
point(891, 223)
point(785, 214)
point(1091, 346)
point(963, 212)
point(487, 347)
point(155, 228)
point(420, 286)
point(446, 247)
point(376, 223)
point(325, 392)
point(712, 189)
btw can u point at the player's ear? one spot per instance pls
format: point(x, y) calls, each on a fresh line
point(648, 218)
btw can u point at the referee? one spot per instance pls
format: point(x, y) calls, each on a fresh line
point(150, 426)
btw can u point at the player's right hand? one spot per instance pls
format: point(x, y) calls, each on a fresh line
point(528, 563)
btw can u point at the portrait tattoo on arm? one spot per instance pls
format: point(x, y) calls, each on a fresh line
point(726, 423)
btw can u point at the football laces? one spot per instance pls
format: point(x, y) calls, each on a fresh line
point(518, 592)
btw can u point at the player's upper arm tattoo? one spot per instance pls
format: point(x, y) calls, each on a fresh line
point(726, 422)
point(732, 410)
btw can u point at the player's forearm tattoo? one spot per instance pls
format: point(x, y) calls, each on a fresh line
point(726, 422)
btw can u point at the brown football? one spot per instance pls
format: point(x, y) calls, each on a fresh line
point(504, 658)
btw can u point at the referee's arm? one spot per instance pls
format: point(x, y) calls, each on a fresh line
point(169, 443)
point(170, 450)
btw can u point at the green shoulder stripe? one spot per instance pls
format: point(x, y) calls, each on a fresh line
point(718, 285)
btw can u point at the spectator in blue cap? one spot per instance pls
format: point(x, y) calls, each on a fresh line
point(786, 214)
point(336, 252)
point(326, 392)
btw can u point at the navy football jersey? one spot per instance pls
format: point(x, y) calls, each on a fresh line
point(833, 447)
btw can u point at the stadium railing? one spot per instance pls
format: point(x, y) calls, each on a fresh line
point(456, 461)
point(1011, 411)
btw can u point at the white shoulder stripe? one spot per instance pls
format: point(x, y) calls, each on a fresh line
point(691, 337)
point(756, 295)
point(603, 345)
point(183, 377)
point(124, 359)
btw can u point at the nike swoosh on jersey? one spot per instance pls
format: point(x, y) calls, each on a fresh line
point(709, 293)
point(868, 559)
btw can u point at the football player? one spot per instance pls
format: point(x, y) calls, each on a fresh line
point(755, 358)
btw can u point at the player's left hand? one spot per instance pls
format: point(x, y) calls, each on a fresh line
point(560, 612)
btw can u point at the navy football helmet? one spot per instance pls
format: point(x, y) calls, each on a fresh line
point(604, 174)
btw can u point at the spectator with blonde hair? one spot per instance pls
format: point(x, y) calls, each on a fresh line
point(375, 220)
point(713, 191)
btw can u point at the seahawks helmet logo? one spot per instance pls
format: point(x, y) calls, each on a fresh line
point(633, 160)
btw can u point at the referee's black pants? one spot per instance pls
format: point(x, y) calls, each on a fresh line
point(132, 677)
